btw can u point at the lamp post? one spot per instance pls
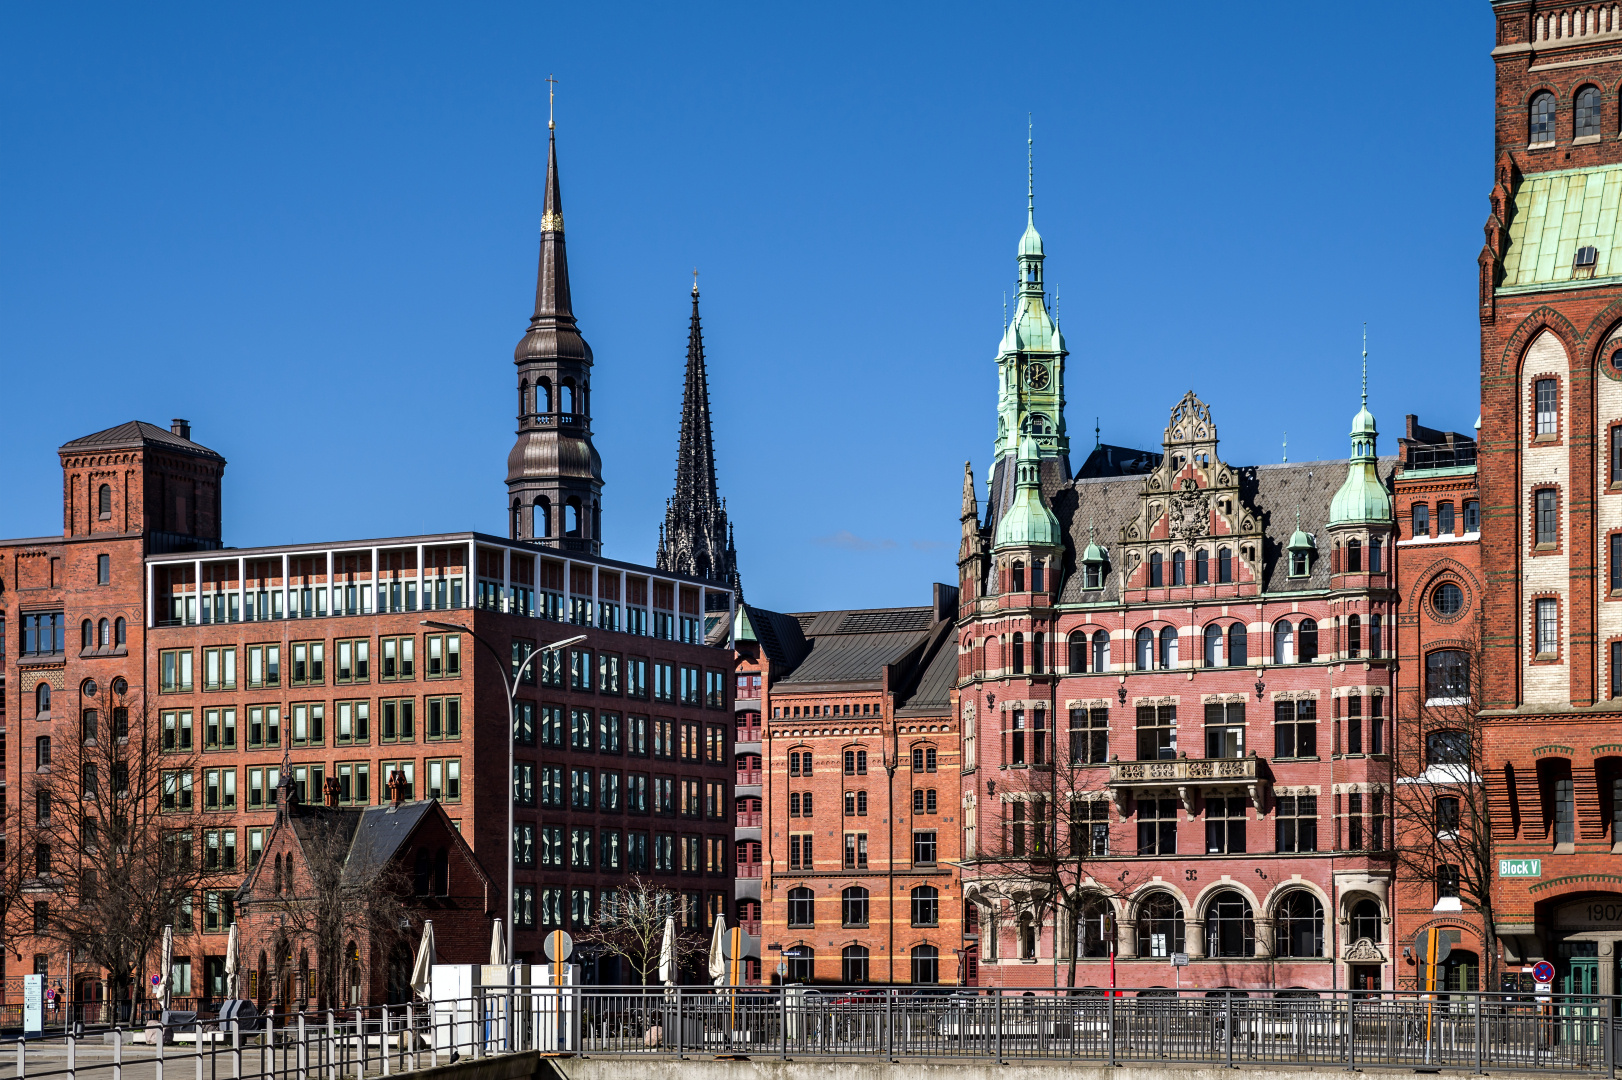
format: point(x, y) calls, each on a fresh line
point(511, 685)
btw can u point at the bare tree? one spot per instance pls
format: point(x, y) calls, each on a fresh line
point(1442, 815)
point(1050, 849)
point(340, 896)
point(111, 825)
point(633, 926)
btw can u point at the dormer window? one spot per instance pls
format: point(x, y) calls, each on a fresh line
point(1300, 563)
point(1093, 576)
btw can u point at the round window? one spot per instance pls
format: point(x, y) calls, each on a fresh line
point(1616, 361)
point(1447, 598)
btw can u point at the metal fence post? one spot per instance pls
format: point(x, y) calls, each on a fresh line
point(118, 1052)
point(1111, 1022)
point(301, 1056)
point(22, 1060)
point(681, 1028)
point(266, 1041)
point(73, 1070)
point(782, 1019)
point(382, 1041)
point(197, 1055)
point(1351, 1032)
point(1480, 1015)
point(889, 1024)
point(1227, 1022)
point(410, 1033)
point(158, 1061)
point(998, 1019)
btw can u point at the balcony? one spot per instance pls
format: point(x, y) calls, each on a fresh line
point(1186, 775)
point(748, 776)
point(749, 869)
point(750, 926)
point(748, 734)
point(748, 819)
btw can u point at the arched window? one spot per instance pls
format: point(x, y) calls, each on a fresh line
point(1283, 642)
point(1542, 119)
point(1298, 925)
point(1230, 927)
point(1354, 557)
point(1019, 654)
point(1179, 568)
point(104, 633)
point(1238, 645)
point(1077, 647)
point(1366, 921)
point(853, 906)
point(276, 881)
point(853, 965)
point(1213, 646)
point(87, 634)
point(1447, 676)
point(1093, 923)
point(1587, 121)
point(542, 520)
point(1202, 568)
point(1146, 648)
point(926, 965)
point(517, 519)
point(1157, 570)
point(1168, 646)
point(42, 699)
point(566, 398)
point(104, 502)
point(523, 398)
point(1306, 646)
point(802, 963)
point(801, 907)
point(926, 906)
point(1100, 650)
point(422, 878)
point(1018, 573)
point(543, 396)
point(1354, 636)
point(1224, 566)
point(118, 631)
point(571, 517)
point(1160, 926)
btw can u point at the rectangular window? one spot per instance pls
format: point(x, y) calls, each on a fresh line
point(636, 852)
point(45, 633)
point(1027, 737)
point(177, 732)
point(309, 663)
point(524, 723)
point(551, 725)
point(924, 848)
point(1157, 826)
point(690, 685)
point(354, 722)
point(174, 666)
point(104, 569)
point(664, 738)
point(262, 787)
point(264, 665)
point(608, 791)
point(1089, 736)
point(1472, 513)
point(1548, 529)
point(354, 660)
point(399, 658)
point(397, 720)
point(582, 730)
point(444, 655)
point(309, 781)
point(177, 792)
point(524, 783)
point(1421, 519)
point(692, 855)
point(608, 733)
point(609, 679)
point(664, 796)
point(551, 907)
point(582, 848)
point(1296, 823)
point(1157, 732)
point(1447, 881)
point(715, 855)
point(664, 853)
point(552, 852)
point(664, 681)
point(354, 783)
point(1089, 827)
point(309, 723)
point(552, 793)
point(1548, 629)
point(715, 691)
point(1295, 729)
point(580, 788)
point(1225, 729)
point(1352, 725)
point(264, 726)
point(1444, 519)
point(445, 779)
point(856, 851)
point(636, 678)
point(219, 729)
point(799, 851)
point(220, 850)
point(636, 793)
point(219, 789)
point(1548, 407)
point(256, 846)
point(716, 739)
point(220, 669)
point(444, 718)
point(1224, 825)
point(524, 846)
point(580, 669)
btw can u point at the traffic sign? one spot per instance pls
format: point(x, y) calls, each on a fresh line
point(1422, 947)
point(1179, 959)
point(1543, 972)
point(559, 946)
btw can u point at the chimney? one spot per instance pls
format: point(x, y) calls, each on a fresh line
point(397, 788)
point(329, 792)
point(181, 428)
point(945, 602)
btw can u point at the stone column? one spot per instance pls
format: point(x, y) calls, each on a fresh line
point(1264, 938)
point(1194, 938)
point(1126, 939)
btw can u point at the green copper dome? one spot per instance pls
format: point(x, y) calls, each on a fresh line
point(1031, 242)
point(1028, 522)
point(1093, 553)
point(1363, 422)
point(1363, 497)
point(1301, 540)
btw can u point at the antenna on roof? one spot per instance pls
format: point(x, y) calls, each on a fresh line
point(1365, 364)
point(1097, 438)
point(1286, 448)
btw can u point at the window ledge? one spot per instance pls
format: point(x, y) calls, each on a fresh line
point(1546, 656)
point(1585, 140)
point(1541, 145)
point(1565, 849)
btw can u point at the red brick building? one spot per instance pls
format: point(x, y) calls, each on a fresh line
point(351, 661)
point(860, 828)
point(1551, 483)
point(1438, 512)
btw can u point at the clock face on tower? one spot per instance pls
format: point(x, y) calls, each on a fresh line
point(1037, 376)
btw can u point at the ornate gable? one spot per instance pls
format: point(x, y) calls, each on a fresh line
point(1189, 504)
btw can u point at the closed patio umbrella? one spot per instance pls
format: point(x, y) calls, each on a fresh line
point(232, 960)
point(421, 972)
point(498, 944)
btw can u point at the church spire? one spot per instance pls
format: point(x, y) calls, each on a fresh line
point(696, 537)
point(554, 473)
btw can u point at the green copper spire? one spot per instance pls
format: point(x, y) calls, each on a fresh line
point(1030, 358)
point(1363, 497)
point(1028, 522)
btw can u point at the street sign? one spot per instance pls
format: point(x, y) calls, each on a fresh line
point(1179, 959)
point(1520, 868)
point(1543, 972)
point(559, 946)
point(1422, 947)
point(33, 1005)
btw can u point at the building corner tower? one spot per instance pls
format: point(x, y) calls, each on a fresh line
point(554, 473)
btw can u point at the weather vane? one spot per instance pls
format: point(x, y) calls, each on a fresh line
point(551, 96)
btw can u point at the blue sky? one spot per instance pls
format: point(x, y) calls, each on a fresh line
point(312, 229)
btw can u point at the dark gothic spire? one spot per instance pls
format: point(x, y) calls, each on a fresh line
point(696, 537)
point(552, 331)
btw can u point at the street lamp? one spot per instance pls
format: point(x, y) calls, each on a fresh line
point(512, 708)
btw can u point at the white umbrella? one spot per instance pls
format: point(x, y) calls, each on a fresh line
point(718, 951)
point(232, 947)
point(426, 958)
point(165, 966)
point(667, 953)
point(498, 944)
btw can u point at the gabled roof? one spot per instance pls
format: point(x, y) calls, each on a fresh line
point(136, 433)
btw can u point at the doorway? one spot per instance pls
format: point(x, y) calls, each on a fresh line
point(1365, 977)
point(1577, 983)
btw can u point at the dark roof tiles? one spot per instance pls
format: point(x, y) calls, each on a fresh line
point(136, 433)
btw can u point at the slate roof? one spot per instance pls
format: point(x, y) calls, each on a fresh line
point(136, 433)
point(844, 647)
point(1554, 214)
point(931, 696)
point(1276, 491)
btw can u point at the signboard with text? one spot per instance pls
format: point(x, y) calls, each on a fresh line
point(1520, 867)
point(33, 1005)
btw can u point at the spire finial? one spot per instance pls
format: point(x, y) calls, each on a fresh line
point(551, 95)
point(1286, 448)
point(1365, 365)
point(1030, 167)
point(695, 281)
point(1005, 311)
point(1098, 437)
